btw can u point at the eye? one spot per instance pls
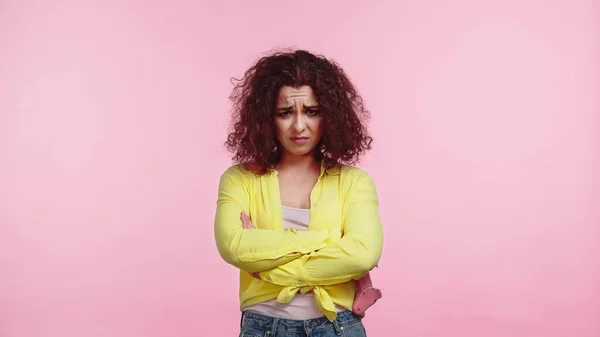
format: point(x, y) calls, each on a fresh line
point(312, 112)
point(284, 113)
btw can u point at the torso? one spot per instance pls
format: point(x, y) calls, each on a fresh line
point(294, 190)
point(327, 209)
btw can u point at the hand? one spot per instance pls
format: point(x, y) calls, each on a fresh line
point(246, 222)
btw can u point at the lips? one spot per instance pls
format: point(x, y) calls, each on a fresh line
point(300, 140)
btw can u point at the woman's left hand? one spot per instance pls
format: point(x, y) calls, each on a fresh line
point(246, 222)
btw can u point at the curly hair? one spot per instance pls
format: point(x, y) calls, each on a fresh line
point(252, 139)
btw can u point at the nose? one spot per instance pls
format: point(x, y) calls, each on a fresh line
point(299, 123)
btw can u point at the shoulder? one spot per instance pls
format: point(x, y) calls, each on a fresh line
point(356, 183)
point(236, 173)
point(353, 173)
point(352, 176)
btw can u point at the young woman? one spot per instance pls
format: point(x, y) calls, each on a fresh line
point(293, 215)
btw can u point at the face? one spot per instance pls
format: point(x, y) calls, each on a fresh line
point(298, 120)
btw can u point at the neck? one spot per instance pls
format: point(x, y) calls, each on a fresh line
point(298, 163)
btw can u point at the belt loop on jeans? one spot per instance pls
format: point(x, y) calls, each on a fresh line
point(274, 327)
point(338, 329)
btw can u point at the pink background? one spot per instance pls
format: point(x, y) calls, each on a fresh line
point(485, 116)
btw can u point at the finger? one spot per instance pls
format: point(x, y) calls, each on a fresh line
point(246, 223)
point(247, 220)
point(243, 219)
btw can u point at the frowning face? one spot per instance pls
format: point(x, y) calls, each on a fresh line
point(298, 120)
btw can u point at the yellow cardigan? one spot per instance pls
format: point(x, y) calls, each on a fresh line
point(343, 242)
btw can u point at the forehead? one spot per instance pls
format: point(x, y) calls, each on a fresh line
point(291, 95)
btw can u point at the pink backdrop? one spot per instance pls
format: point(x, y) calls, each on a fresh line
point(486, 120)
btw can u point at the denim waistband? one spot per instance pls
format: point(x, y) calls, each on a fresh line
point(262, 322)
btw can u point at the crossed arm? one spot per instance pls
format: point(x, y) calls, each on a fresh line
point(276, 254)
point(349, 258)
point(256, 250)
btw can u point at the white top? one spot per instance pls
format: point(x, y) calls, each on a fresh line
point(302, 307)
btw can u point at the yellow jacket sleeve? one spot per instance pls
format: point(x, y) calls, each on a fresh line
point(349, 258)
point(255, 250)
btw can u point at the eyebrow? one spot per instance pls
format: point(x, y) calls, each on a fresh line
point(290, 108)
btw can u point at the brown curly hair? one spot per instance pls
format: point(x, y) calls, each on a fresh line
point(252, 139)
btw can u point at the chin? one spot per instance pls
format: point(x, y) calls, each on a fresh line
point(300, 152)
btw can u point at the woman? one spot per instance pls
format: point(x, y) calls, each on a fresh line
point(299, 222)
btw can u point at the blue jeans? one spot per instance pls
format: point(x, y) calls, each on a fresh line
point(346, 325)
